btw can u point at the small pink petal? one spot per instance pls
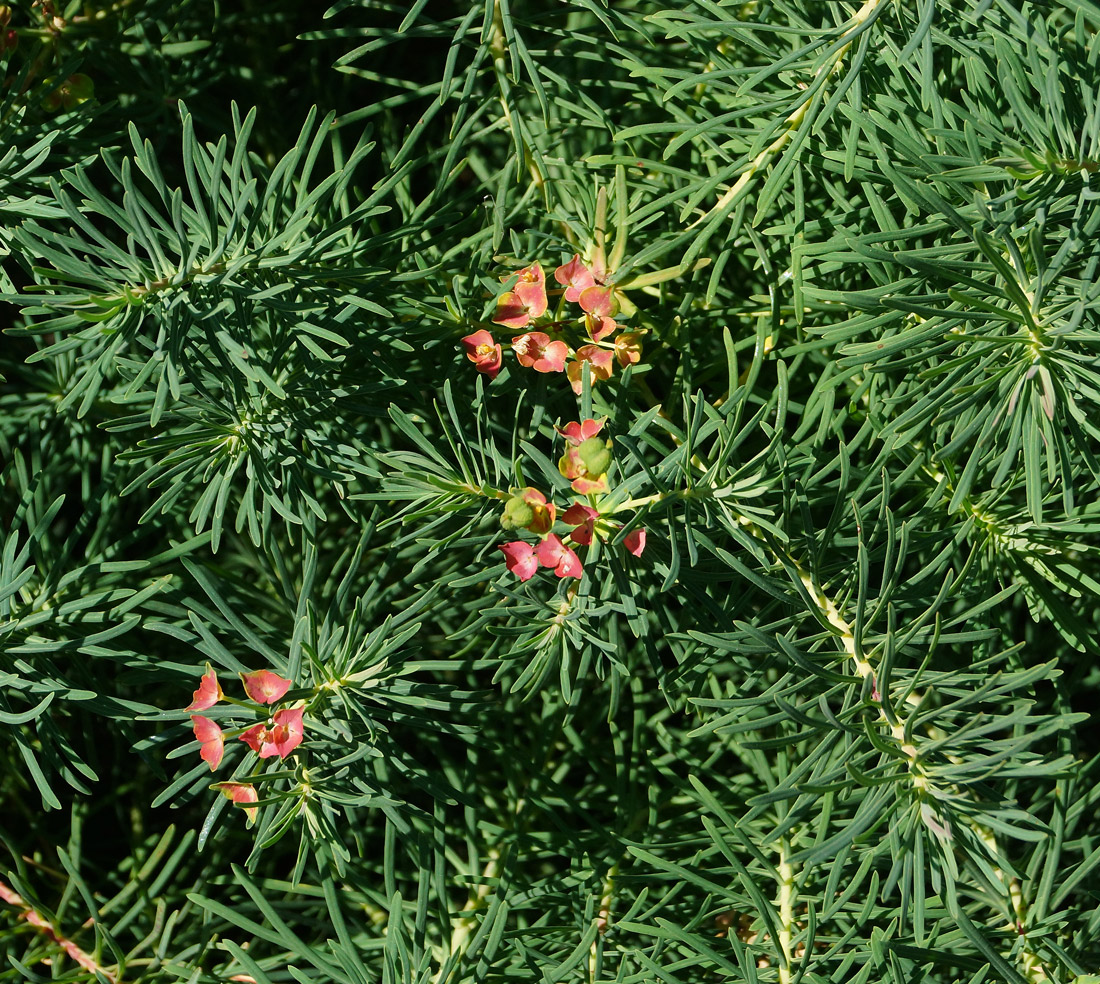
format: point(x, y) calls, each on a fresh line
point(520, 559)
point(255, 736)
point(209, 692)
point(535, 351)
point(241, 792)
point(634, 542)
point(213, 742)
point(574, 276)
point(599, 327)
point(511, 311)
point(599, 301)
point(533, 296)
point(577, 432)
point(569, 565)
point(550, 551)
point(264, 687)
point(553, 358)
point(583, 518)
point(578, 513)
point(286, 734)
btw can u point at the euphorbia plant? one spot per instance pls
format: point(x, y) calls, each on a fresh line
point(610, 494)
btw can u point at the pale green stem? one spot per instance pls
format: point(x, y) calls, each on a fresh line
point(785, 904)
point(794, 120)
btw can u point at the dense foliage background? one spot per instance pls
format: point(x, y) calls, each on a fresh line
point(830, 725)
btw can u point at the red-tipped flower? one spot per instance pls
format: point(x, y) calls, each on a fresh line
point(213, 742)
point(284, 735)
point(209, 692)
point(535, 351)
point(240, 792)
point(520, 559)
point(264, 687)
point(553, 553)
point(483, 352)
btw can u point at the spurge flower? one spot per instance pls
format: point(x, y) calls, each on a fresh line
point(281, 738)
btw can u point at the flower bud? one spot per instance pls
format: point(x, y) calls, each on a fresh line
point(5, 15)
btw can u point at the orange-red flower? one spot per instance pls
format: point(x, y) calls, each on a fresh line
point(535, 351)
point(599, 301)
point(527, 300)
point(600, 363)
point(209, 692)
point(284, 735)
point(240, 792)
point(483, 352)
point(574, 276)
point(599, 327)
point(264, 687)
point(213, 742)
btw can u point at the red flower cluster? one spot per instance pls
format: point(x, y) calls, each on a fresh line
point(527, 302)
point(279, 735)
point(585, 463)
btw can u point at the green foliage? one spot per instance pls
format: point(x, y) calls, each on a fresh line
point(828, 721)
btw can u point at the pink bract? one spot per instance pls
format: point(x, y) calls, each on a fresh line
point(634, 542)
point(599, 301)
point(520, 559)
point(284, 735)
point(553, 553)
point(209, 692)
point(600, 360)
point(264, 687)
point(213, 742)
point(574, 276)
point(517, 307)
point(583, 519)
point(483, 352)
point(535, 351)
point(579, 431)
point(598, 327)
point(240, 792)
